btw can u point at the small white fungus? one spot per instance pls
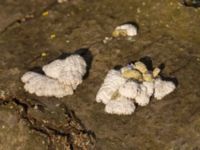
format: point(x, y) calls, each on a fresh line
point(111, 84)
point(142, 98)
point(125, 30)
point(42, 85)
point(68, 71)
point(120, 106)
point(60, 79)
point(163, 88)
point(129, 89)
point(150, 87)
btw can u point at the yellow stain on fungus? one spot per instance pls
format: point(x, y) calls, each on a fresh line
point(147, 77)
point(134, 74)
point(140, 66)
point(156, 72)
point(119, 32)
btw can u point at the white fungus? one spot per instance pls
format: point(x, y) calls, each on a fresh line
point(111, 84)
point(42, 85)
point(68, 71)
point(73, 62)
point(60, 79)
point(125, 30)
point(149, 86)
point(142, 98)
point(120, 106)
point(129, 89)
point(163, 88)
point(134, 83)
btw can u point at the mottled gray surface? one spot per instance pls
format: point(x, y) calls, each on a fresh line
point(169, 33)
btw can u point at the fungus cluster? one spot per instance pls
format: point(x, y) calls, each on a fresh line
point(132, 84)
point(61, 77)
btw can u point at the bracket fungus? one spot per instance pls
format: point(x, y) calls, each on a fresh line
point(61, 77)
point(108, 88)
point(133, 83)
point(121, 105)
point(68, 71)
point(124, 30)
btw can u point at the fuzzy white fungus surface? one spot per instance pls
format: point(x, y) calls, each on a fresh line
point(60, 79)
point(130, 29)
point(112, 83)
point(121, 89)
point(163, 88)
point(129, 89)
point(42, 85)
point(69, 71)
point(142, 98)
point(150, 87)
point(120, 106)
